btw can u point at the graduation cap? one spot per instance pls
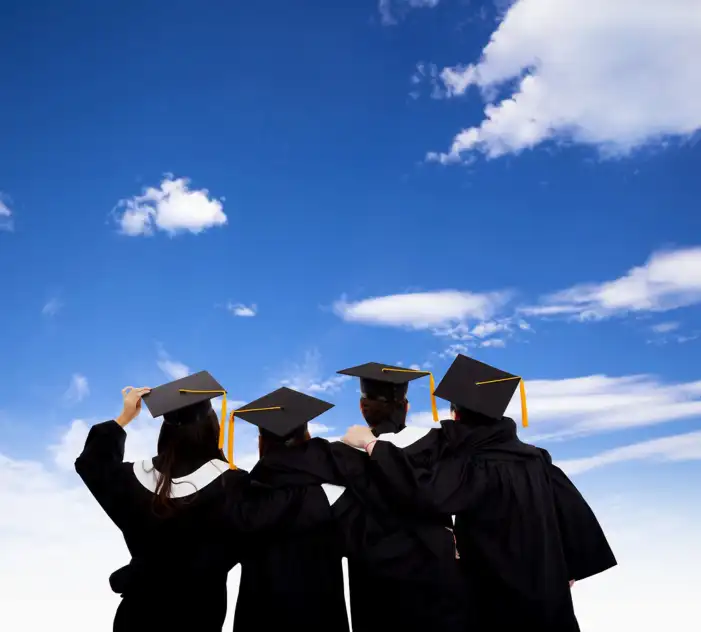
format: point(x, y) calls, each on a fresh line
point(481, 388)
point(388, 383)
point(199, 388)
point(283, 411)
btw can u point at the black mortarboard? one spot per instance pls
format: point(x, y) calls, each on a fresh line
point(282, 411)
point(187, 391)
point(481, 388)
point(388, 383)
point(198, 388)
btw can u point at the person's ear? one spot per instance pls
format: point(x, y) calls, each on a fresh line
point(408, 406)
point(454, 415)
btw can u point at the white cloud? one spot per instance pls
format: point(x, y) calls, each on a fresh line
point(246, 311)
point(668, 280)
point(52, 307)
point(316, 429)
point(656, 580)
point(78, 390)
point(6, 222)
point(306, 377)
point(387, 8)
point(664, 328)
point(422, 310)
point(596, 404)
point(682, 447)
point(58, 549)
point(172, 368)
point(613, 75)
point(172, 208)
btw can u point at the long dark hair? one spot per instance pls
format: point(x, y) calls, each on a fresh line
point(267, 441)
point(376, 411)
point(189, 435)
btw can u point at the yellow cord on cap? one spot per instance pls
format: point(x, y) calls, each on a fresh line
point(431, 385)
point(221, 422)
point(522, 389)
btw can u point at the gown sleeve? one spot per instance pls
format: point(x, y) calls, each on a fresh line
point(586, 549)
point(419, 481)
point(100, 466)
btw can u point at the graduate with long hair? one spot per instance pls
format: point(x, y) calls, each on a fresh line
point(181, 513)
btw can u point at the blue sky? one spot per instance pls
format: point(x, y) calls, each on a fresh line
point(319, 182)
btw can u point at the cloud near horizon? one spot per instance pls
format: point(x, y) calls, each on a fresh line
point(58, 549)
point(596, 404)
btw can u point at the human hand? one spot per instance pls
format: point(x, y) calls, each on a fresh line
point(132, 404)
point(358, 437)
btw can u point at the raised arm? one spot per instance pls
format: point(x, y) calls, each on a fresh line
point(100, 464)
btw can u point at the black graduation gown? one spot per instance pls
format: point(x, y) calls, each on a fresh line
point(522, 529)
point(293, 576)
point(402, 569)
point(176, 579)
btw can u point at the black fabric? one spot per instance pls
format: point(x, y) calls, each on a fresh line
point(586, 549)
point(293, 577)
point(283, 411)
point(167, 398)
point(402, 569)
point(191, 551)
point(464, 385)
point(509, 525)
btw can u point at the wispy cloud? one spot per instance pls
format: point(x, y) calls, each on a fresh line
point(390, 8)
point(245, 311)
point(654, 537)
point(664, 328)
point(597, 404)
point(565, 58)
point(682, 447)
point(78, 389)
point(172, 207)
point(307, 377)
point(669, 280)
point(6, 220)
point(172, 368)
point(52, 307)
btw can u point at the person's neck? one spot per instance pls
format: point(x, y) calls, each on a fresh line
point(388, 425)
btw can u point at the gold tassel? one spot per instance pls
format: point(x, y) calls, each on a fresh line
point(431, 386)
point(522, 389)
